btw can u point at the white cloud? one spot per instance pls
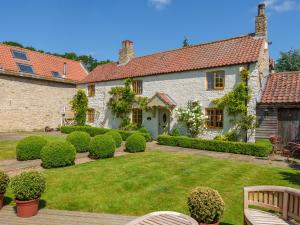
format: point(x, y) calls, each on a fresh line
point(282, 5)
point(159, 4)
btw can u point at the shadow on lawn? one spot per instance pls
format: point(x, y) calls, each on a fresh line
point(294, 178)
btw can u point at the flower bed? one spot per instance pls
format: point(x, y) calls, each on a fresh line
point(254, 149)
point(93, 131)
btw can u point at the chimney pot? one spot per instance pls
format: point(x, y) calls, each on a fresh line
point(261, 24)
point(126, 53)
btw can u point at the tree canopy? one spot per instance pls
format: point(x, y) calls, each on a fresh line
point(89, 61)
point(288, 61)
point(185, 42)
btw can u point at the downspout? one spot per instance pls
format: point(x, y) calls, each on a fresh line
point(246, 102)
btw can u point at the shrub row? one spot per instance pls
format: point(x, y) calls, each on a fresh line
point(213, 145)
point(93, 131)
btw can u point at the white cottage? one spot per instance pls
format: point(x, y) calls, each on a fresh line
point(172, 78)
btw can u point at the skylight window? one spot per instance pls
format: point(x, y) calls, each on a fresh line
point(55, 74)
point(25, 68)
point(19, 55)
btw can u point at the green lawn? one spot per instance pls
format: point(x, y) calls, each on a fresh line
point(137, 184)
point(8, 148)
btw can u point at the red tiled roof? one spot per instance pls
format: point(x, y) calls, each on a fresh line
point(43, 64)
point(234, 51)
point(166, 99)
point(282, 88)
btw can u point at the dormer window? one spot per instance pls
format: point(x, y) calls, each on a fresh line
point(19, 55)
point(55, 74)
point(25, 68)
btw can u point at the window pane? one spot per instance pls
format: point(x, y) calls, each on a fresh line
point(55, 74)
point(137, 86)
point(210, 80)
point(25, 68)
point(19, 55)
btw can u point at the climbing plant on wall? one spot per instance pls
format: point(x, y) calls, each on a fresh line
point(235, 103)
point(122, 100)
point(79, 105)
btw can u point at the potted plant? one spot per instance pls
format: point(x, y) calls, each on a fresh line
point(27, 188)
point(206, 206)
point(4, 180)
point(274, 139)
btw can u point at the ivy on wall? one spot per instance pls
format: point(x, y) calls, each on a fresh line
point(79, 105)
point(235, 103)
point(122, 101)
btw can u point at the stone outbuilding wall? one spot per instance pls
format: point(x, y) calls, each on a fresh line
point(30, 104)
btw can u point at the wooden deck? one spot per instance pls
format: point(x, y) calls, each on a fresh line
point(62, 217)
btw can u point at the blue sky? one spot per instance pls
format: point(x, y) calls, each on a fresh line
point(97, 27)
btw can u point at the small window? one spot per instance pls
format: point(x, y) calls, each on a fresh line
point(91, 90)
point(55, 74)
point(137, 87)
point(137, 117)
point(19, 55)
point(214, 118)
point(215, 80)
point(25, 68)
point(91, 115)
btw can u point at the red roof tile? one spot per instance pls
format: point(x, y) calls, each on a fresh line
point(166, 99)
point(43, 64)
point(234, 51)
point(282, 88)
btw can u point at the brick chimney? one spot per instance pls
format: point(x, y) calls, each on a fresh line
point(126, 53)
point(261, 23)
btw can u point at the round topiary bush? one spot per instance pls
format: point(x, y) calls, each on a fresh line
point(28, 185)
point(30, 148)
point(116, 136)
point(58, 154)
point(206, 205)
point(4, 180)
point(101, 147)
point(80, 140)
point(135, 143)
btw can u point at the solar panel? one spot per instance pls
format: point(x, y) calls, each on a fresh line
point(25, 68)
point(55, 74)
point(19, 55)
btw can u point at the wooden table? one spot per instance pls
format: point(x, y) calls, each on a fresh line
point(164, 217)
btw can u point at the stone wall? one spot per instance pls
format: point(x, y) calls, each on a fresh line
point(181, 87)
point(30, 104)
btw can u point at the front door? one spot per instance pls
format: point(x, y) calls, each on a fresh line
point(163, 121)
point(289, 125)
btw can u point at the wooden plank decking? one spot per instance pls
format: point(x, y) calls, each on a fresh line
point(62, 217)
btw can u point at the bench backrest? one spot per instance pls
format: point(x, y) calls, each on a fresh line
point(281, 199)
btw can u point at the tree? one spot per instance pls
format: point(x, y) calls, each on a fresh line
point(288, 61)
point(185, 42)
point(79, 105)
point(13, 43)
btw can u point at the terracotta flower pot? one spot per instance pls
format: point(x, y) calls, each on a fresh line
point(27, 208)
point(1, 200)
point(209, 224)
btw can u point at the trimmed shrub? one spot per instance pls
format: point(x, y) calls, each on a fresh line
point(116, 136)
point(175, 132)
point(206, 205)
point(28, 185)
point(228, 136)
point(101, 147)
point(30, 148)
point(58, 154)
point(135, 143)
point(92, 131)
point(4, 180)
point(80, 140)
point(143, 130)
point(214, 145)
point(125, 134)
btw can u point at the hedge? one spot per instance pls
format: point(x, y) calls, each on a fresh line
point(253, 149)
point(58, 154)
point(30, 148)
point(93, 131)
point(116, 136)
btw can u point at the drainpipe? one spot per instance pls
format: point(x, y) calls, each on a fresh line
point(246, 102)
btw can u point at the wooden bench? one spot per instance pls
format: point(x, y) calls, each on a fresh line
point(164, 217)
point(283, 201)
